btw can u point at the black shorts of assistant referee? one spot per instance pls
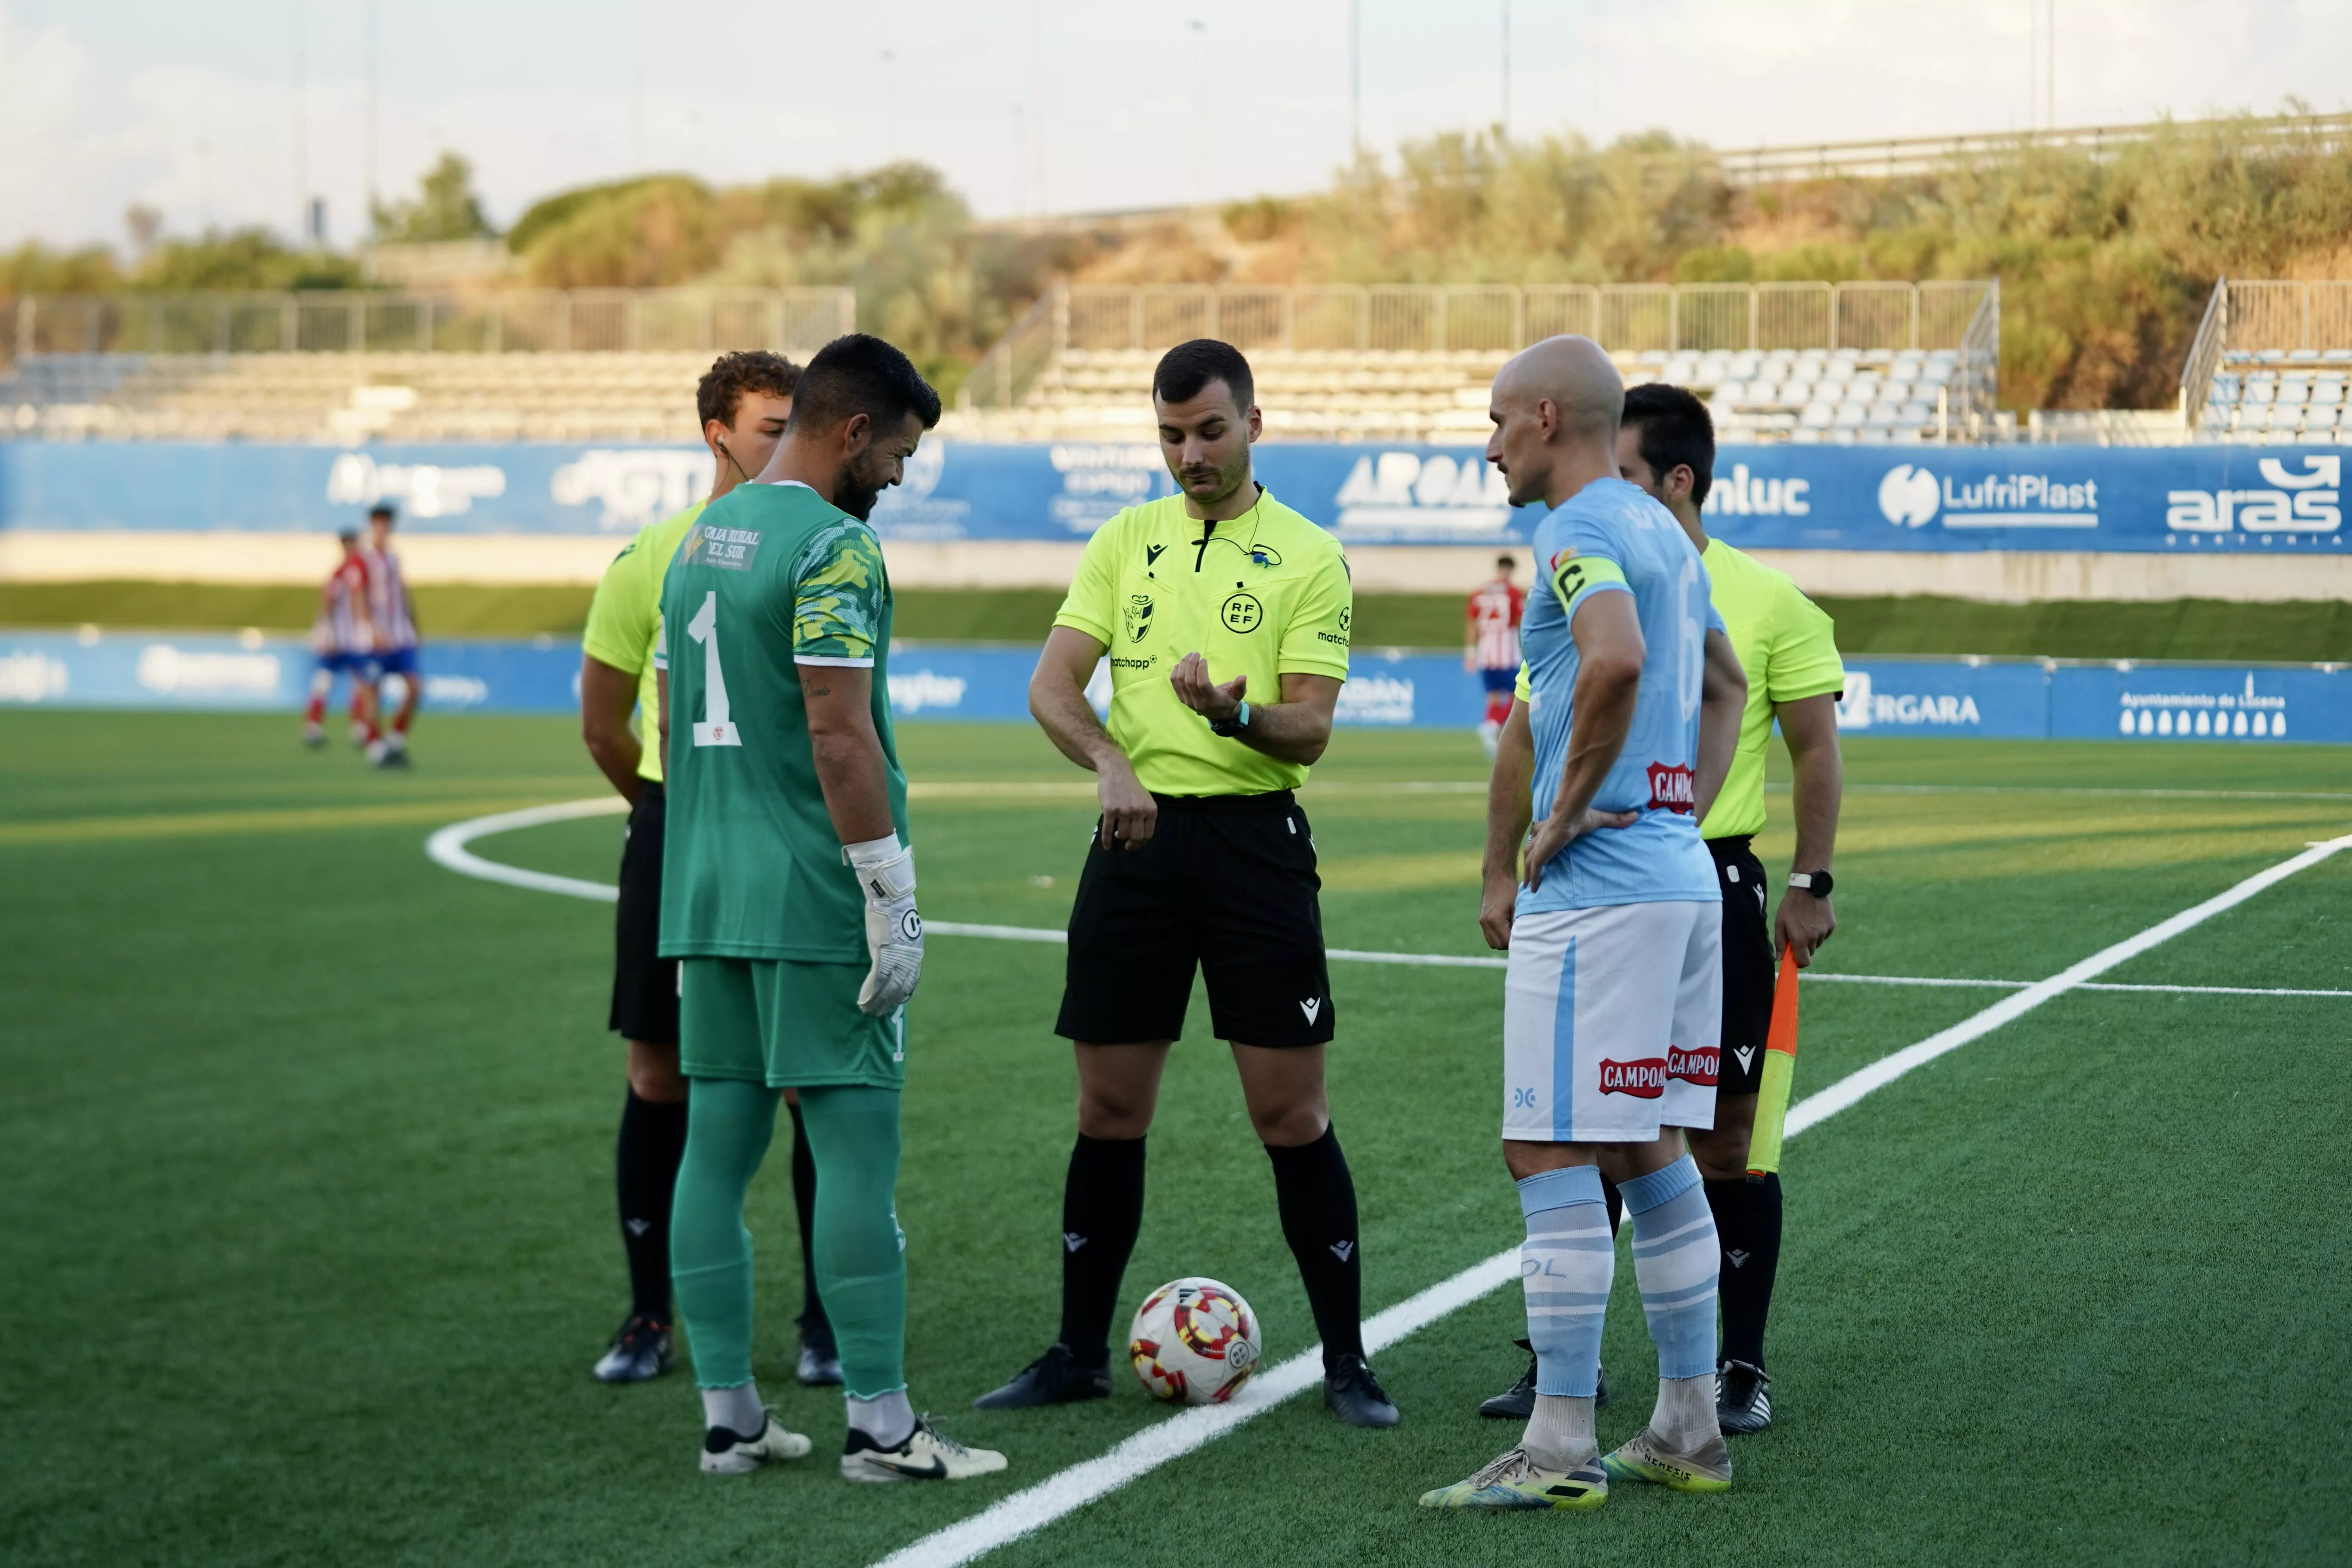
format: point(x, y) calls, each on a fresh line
point(1225, 884)
point(644, 984)
point(1747, 965)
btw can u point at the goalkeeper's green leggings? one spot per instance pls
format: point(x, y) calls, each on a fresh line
point(861, 1263)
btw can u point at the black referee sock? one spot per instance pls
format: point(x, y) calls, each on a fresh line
point(644, 1170)
point(1747, 1221)
point(1317, 1199)
point(816, 1330)
point(1102, 1209)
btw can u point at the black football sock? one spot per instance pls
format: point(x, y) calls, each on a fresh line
point(645, 1169)
point(1616, 1202)
point(1102, 1209)
point(817, 1331)
point(1747, 1221)
point(1317, 1199)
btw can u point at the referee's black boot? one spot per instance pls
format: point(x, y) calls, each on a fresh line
point(1743, 1399)
point(1517, 1402)
point(1054, 1378)
point(1355, 1395)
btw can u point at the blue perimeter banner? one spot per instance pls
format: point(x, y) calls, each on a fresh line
point(2178, 499)
point(2023, 699)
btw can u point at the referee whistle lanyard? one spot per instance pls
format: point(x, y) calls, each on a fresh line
point(1209, 530)
point(1780, 1074)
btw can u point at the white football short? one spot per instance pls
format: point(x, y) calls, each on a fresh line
point(1612, 1022)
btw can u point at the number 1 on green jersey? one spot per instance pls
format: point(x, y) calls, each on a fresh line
point(713, 729)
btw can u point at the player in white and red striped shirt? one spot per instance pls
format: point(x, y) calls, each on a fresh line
point(1490, 646)
point(395, 636)
point(344, 637)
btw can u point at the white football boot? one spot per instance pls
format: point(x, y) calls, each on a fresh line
point(726, 1452)
point(925, 1456)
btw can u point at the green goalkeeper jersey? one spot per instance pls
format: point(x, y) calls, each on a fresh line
point(769, 578)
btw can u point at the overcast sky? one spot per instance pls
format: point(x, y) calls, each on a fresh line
point(191, 107)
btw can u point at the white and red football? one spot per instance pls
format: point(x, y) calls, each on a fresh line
point(1194, 1341)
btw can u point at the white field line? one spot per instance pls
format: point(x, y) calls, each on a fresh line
point(1816, 1108)
point(1781, 787)
point(448, 847)
point(1068, 1490)
point(1065, 1492)
point(1036, 1506)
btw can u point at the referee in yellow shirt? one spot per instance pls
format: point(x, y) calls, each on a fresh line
point(1786, 643)
point(1225, 616)
point(743, 401)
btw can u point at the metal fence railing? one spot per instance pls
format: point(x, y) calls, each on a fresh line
point(1972, 398)
point(1479, 318)
point(1894, 157)
point(2284, 319)
point(2205, 355)
point(515, 321)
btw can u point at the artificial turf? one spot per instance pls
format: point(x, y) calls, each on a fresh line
point(305, 1150)
point(2301, 632)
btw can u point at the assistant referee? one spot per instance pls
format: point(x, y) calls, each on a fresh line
point(1665, 443)
point(1225, 617)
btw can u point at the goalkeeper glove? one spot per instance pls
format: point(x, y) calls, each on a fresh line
point(893, 931)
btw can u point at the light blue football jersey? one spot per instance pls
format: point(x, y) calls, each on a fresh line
point(1611, 537)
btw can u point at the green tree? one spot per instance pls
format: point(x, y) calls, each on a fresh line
point(445, 208)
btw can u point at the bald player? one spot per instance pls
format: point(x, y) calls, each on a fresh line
point(1612, 916)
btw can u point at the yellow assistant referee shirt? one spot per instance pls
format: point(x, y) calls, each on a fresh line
point(1262, 594)
point(625, 620)
point(1788, 646)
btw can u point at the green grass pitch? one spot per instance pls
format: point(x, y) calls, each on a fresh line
point(305, 1153)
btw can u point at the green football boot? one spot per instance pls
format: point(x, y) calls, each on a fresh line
point(1645, 1458)
point(1514, 1481)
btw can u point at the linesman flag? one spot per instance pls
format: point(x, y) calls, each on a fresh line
point(1780, 1072)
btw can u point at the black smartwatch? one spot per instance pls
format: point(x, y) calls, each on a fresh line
point(1817, 883)
point(1233, 726)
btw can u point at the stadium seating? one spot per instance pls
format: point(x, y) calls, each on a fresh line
point(336, 397)
point(2280, 396)
point(1844, 396)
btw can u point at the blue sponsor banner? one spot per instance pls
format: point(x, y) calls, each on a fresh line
point(2273, 702)
point(1387, 689)
point(1997, 699)
point(2175, 500)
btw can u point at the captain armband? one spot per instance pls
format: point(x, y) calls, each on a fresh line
point(1574, 576)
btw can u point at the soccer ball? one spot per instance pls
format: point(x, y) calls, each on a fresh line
point(1194, 1341)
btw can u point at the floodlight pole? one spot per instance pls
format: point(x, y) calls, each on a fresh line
point(637, 87)
point(1200, 111)
point(1506, 122)
point(301, 138)
point(1356, 81)
point(367, 156)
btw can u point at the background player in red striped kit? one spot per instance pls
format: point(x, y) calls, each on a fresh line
point(344, 637)
point(1490, 644)
point(395, 637)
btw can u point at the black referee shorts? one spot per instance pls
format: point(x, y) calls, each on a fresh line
point(644, 984)
point(1748, 965)
point(1226, 884)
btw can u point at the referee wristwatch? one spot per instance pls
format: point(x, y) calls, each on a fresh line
point(1233, 727)
point(1817, 883)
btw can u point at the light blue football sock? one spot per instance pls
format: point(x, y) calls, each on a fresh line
point(1566, 1265)
point(1675, 1258)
